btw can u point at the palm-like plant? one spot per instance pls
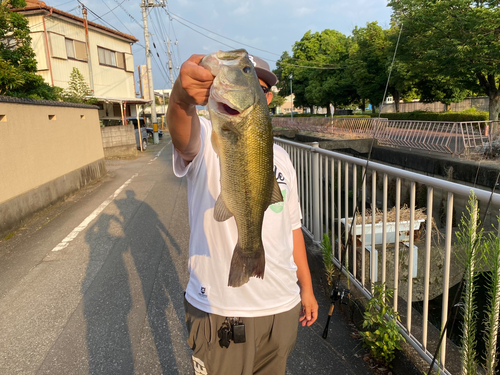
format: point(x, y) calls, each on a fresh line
point(492, 258)
point(469, 240)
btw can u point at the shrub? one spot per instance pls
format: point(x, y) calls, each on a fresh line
point(382, 337)
point(468, 115)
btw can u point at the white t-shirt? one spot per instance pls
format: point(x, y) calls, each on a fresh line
point(212, 243)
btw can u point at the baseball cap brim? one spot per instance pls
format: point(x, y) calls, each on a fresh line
point(267, 76)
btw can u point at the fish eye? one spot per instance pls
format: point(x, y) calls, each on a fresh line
point(247, 69)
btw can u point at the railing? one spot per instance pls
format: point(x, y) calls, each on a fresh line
point(353, 126)
point(453, 138)
point(334, 187)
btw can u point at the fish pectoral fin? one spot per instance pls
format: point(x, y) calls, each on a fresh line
point(276, 197)
point(215, 142)
point(221, 212)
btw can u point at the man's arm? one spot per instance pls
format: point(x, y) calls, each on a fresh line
point(309, 304)
point(191, 88)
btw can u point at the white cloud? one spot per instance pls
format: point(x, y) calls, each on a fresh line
point(304, 11)
point(242, 9)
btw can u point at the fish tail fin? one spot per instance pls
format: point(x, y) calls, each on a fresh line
point(245, 266)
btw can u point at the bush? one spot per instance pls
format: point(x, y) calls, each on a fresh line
point(316, 115)
point(382, 337)
point(468, 115)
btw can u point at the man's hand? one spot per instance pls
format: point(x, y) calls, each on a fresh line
point(309, 312)
point(195, 82)
point(191, 88)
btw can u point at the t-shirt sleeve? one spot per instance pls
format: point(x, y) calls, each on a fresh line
point(181, 168)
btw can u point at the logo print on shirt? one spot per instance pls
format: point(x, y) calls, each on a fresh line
point(204, 291)
point(278, 207)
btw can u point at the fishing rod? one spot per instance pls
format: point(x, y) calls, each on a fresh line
point(337, 294)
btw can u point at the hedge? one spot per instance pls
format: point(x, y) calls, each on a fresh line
point(315, 115)
point(469, 115)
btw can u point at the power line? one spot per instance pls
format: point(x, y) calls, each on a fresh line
point(99, 17)
point(222, 36)
point(232, 47)
point(128, 14)
point(110, 10)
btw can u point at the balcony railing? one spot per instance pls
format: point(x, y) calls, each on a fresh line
point(335, 188)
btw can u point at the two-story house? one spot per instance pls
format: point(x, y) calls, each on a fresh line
point(63, 41)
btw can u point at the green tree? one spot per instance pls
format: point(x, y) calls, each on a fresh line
point(276, 102)
point(318, 68)
point(287, 65)
point(78, 91)
point(368, 62)
point(18, 65)
point(457, 39)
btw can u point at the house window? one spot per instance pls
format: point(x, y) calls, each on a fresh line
point(76, 50)
point(111, 58)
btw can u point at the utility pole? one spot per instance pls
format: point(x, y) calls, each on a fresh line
point(170, 62)
point(87, 46)
point(144, 6)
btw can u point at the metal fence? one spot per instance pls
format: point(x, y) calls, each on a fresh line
point(337, 190)
point(452, 138)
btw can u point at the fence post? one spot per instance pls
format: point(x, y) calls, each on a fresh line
point(315, 192)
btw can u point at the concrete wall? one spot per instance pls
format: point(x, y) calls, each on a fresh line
point(119, 141)
point(48, 151)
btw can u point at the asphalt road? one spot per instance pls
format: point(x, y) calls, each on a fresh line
point(94, 285)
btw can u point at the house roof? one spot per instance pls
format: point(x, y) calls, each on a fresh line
point(32, 5)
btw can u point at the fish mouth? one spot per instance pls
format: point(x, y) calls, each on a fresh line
point(223, 105)
point(226, 109)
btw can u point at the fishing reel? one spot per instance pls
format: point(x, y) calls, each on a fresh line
point(339, 294)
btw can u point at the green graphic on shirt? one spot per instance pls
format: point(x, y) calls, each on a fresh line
point(278, 207)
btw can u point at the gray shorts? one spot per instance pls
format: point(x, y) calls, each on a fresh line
point(269, 341)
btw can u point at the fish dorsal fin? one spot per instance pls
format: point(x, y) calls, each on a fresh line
point(221, 212)
point(276, 197)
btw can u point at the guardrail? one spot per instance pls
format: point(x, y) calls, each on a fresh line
point(336, 188)
point(453, 138)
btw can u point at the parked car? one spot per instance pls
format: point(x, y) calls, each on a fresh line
point(144, 137)
point(150, 133)
point(144, 132)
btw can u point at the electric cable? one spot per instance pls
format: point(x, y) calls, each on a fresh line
point(110, 10)
point(128, 14)
point(232, 47)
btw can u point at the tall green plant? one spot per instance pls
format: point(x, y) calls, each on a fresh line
point(492, 315)
point(78, 91)
point(326, 250)
point(469, 240)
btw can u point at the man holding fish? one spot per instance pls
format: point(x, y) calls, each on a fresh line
point(249, 276)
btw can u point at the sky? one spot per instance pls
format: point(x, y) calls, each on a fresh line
point(265, 28)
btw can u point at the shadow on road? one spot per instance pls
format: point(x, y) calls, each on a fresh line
point(137, 277)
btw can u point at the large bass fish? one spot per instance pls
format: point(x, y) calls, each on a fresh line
point(242, 138)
